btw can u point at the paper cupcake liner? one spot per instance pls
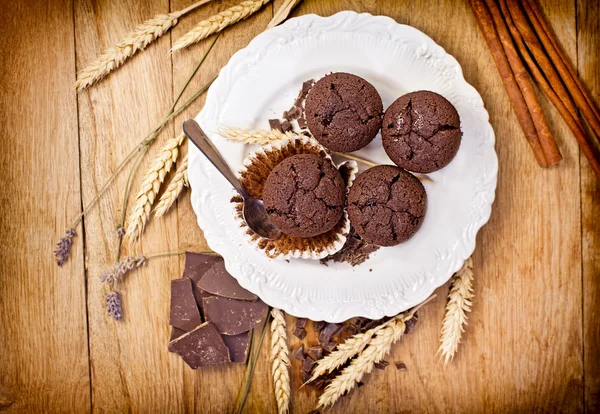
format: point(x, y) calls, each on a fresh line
point(253, 174)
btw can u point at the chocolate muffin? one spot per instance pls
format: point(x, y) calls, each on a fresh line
point(421, 131)
point(343, 112)
point(304, 195)
point(386, 205)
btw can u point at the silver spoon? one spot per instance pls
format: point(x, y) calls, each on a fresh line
point(254, 210)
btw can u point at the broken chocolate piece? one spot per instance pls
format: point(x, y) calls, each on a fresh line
point(305, 377)
point(381, 364)
point(307, 365)
point(298, 353)
point(372, 323)
point(184, 310)
point(306, 85)
point(329, 346)
point(218, 281)
point(351, 330)
point(196, 265)
point(238, 346)
point(330, 330)
point(301, 322)
point(315, 352)
point(293, 113)
point(411, 323)
point(175, 333)
point(318, 326)
point(300, 333)
point(400, 366)
point(286, 126)
point(275, 124)
point(202, 347)
point(233, 317)
point(302, 123)
point(360, 384)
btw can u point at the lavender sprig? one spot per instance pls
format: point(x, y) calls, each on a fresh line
point(121, 268)
point(63, 247)
point(113, 305)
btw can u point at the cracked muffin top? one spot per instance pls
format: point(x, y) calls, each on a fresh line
point(421, 131)
point(386, 205)
point(343, 112)
point(304, 195)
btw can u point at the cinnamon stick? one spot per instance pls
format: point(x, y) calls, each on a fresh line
point(580, 134)
point(522, 78)
point(585, 103)
point(486, 24)
point(532, 42)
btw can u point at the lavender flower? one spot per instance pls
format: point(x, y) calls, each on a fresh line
point(113, 305)
point(121, 268)
point(120, 231)
point(63, 247)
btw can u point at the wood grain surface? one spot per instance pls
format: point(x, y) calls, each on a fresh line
point(533, 334)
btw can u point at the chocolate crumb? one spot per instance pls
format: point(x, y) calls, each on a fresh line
point(275, 124)
point(301, 322)
point(300, 333)
point(411, 324)
point(400, 366)
point(307, 365)
point(360, 384)
point(382, 364)
point(315, 352)
point(318, 326)
point(355, 251)
point(298, 353)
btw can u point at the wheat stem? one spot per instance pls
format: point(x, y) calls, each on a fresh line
point(283, 12)
point(218, 22)
point(459, 303)
point(280, 361)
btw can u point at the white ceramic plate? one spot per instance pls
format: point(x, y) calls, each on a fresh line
point(262, 80)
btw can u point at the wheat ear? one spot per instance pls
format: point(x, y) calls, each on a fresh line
point(160, 166)
point(218, 22)
point(281, 360)
point(174, 189)
point(137, 40)
point(255, 136)
point(455, 318)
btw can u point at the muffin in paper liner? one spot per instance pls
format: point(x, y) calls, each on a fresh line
point(253, 174)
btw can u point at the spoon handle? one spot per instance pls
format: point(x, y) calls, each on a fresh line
point(193, 131)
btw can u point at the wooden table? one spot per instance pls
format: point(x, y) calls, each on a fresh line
point(533, 337)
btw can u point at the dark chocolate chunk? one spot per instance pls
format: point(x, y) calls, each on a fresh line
point(307, 365)
point(400, 366)
point(232, 316)
point(315, 352)
point(411, 324)
point(302, 123)
point(196, 265)
point(372, 323)
point(318, 326)
point(300, 333)
point(275, 124)
point(330, 330)
point(329, 346)
point(218, 281)
point(293, 113)
point(175, 333)
point(184, 310)
point(360, 384)
point(286, 126)
point(351, 330)
point(202, 347)
point(238, 346)
point(306, 85)
point(199, 294)
point(318, 383)
point(298, 353)
point(382, 364)
point(305, 377)
point(301, 322)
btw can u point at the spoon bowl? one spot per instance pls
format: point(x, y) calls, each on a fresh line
point(254, 212)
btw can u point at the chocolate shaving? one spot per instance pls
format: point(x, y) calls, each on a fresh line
point(381, 364)
point(232, 317)
point(355, 251)
point(218, 281)
point(275, 124)
point(315, 352)
point(298, 353)
point(202, 347)
point(307, 365)
point(318, 326)
point(329, 331)
point(400, 366)
point(238, 346)
point(300, 333)
point(301, 323)
point(184, 310)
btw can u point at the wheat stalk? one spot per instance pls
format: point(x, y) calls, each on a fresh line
point(255, 136)
point(284, 11)
point(218, 22)
point(345, 351)
point(134, 41)
point(160, 166)
point(455, 318)
point(281, 361)
point(174, 189)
